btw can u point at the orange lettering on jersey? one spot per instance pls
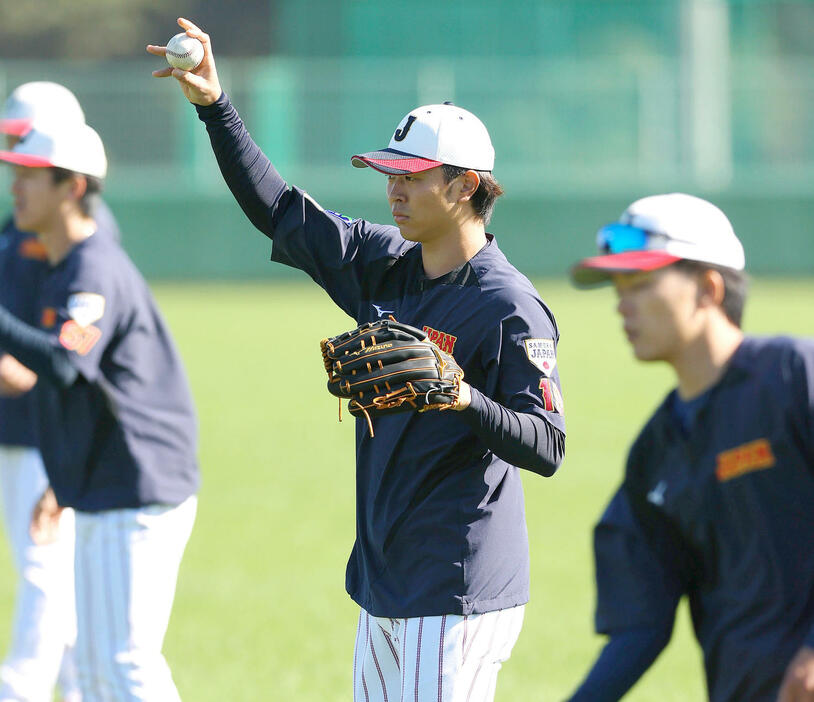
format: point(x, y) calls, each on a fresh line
point(32, 248)
point(755, 455)
point(445, 342)
point(79, 339)
point(49, 317)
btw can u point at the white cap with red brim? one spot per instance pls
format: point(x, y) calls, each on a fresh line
point(657, 231)
point(76, 148)
point(431, 136)
point(41, 103)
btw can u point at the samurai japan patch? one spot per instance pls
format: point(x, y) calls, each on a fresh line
point(541, 354)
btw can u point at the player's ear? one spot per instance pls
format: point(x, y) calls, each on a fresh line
point(711, 288)
point(469, 182)
point(79, 184)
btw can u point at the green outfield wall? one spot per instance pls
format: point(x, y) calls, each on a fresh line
point(208, 237)
point(542, 235)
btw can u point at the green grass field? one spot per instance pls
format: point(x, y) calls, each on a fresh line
point(261, 612)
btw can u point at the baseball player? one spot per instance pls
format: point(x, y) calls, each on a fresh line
point(440, 564)
point(115, 422)
point(716, 502)
point(44, 623)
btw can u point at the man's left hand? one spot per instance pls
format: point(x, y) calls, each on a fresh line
point(44, 527)
point(15, 378)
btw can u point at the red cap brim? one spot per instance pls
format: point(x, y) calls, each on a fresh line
point(393, 162)
point(598, 269)
point(25, 159)
point(15, 127)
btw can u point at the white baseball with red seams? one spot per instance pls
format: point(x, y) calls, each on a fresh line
point(184, 52)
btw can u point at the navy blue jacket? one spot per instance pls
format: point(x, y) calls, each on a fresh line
point(723, 514)
point(23, 267)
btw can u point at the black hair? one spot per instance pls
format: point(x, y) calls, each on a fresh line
point(90, 199)
point(736, 286)
point(489, 190)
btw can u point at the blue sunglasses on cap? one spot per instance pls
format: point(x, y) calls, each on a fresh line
point(617, 238)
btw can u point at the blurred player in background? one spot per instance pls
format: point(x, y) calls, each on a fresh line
point(116, 425)
point(717, 501)
point(440, 565)
point(44, 626)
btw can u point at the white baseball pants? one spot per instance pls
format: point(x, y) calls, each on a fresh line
point(451, 658)
point(44, 626)
point(127, 564)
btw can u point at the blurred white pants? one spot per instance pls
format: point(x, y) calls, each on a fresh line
point(44, 626)
point(126, 570)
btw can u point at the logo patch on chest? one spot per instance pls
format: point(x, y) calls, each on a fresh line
point(444, 341)
point(541, 354)
point(746, 458)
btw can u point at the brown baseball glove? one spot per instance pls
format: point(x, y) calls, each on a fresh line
point(384, 367)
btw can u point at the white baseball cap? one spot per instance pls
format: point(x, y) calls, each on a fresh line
point(39, 102)
point(430, 136)
point(74, 147)
point(659, 230)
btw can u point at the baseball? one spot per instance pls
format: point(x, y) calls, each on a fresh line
point(184, 52)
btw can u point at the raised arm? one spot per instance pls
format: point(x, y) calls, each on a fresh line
point(254, 182)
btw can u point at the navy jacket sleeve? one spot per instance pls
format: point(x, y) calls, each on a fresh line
point(520, 414)
point(802, 366)
point(38, 350)
point(800, 370)
point(624, 659)
point(637, 584)
point(332, 249)
point(519, 438)
point(637, 594)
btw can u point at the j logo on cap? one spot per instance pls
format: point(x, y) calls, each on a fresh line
point(401, 133)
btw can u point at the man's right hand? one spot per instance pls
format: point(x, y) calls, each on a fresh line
point(200, 85)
